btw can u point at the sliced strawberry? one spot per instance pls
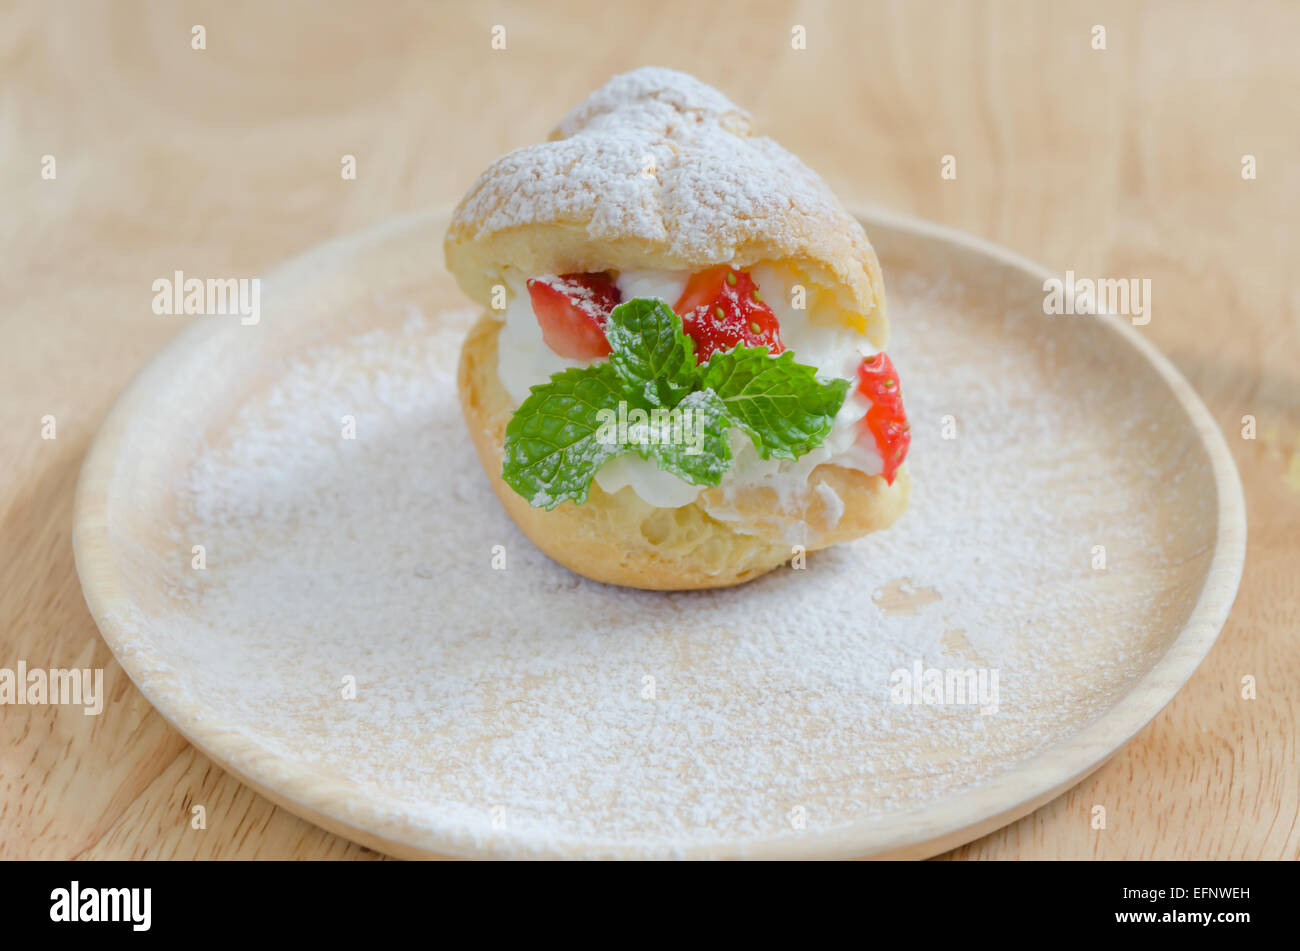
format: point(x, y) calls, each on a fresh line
point(721, 308)
point(572, 311)
point(878, 381)
point(886, 420)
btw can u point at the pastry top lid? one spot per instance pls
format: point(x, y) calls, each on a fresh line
point(656, 169)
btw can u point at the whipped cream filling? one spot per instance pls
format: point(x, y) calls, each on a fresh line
point(816, 338)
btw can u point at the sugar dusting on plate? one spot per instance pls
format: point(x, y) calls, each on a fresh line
point(527, 710)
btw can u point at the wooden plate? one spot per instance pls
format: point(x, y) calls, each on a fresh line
point(283, 535)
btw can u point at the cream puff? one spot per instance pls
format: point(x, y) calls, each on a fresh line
point(679, 381)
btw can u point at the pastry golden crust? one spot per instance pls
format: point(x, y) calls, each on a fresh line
point(620, 539)
point(658, 170)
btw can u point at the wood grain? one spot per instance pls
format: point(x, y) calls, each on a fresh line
point(1122, 162)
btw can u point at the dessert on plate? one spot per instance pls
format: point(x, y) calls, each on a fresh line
point(679, 381)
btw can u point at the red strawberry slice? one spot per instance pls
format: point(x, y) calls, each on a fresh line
point(886, 420)
point(878, 381)
point(721, 308)
point(572, 311)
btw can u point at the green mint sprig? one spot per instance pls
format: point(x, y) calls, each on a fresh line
point(650, 397)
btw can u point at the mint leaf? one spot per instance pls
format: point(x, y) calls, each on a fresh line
point(651, 398)
point(556, 440)
point(650, 351)
point(781, 404)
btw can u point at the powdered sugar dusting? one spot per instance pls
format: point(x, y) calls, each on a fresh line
point(657, 155)
point(535, 711)
point(653, 98)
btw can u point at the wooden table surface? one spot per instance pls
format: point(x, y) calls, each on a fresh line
point(1123, 162)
